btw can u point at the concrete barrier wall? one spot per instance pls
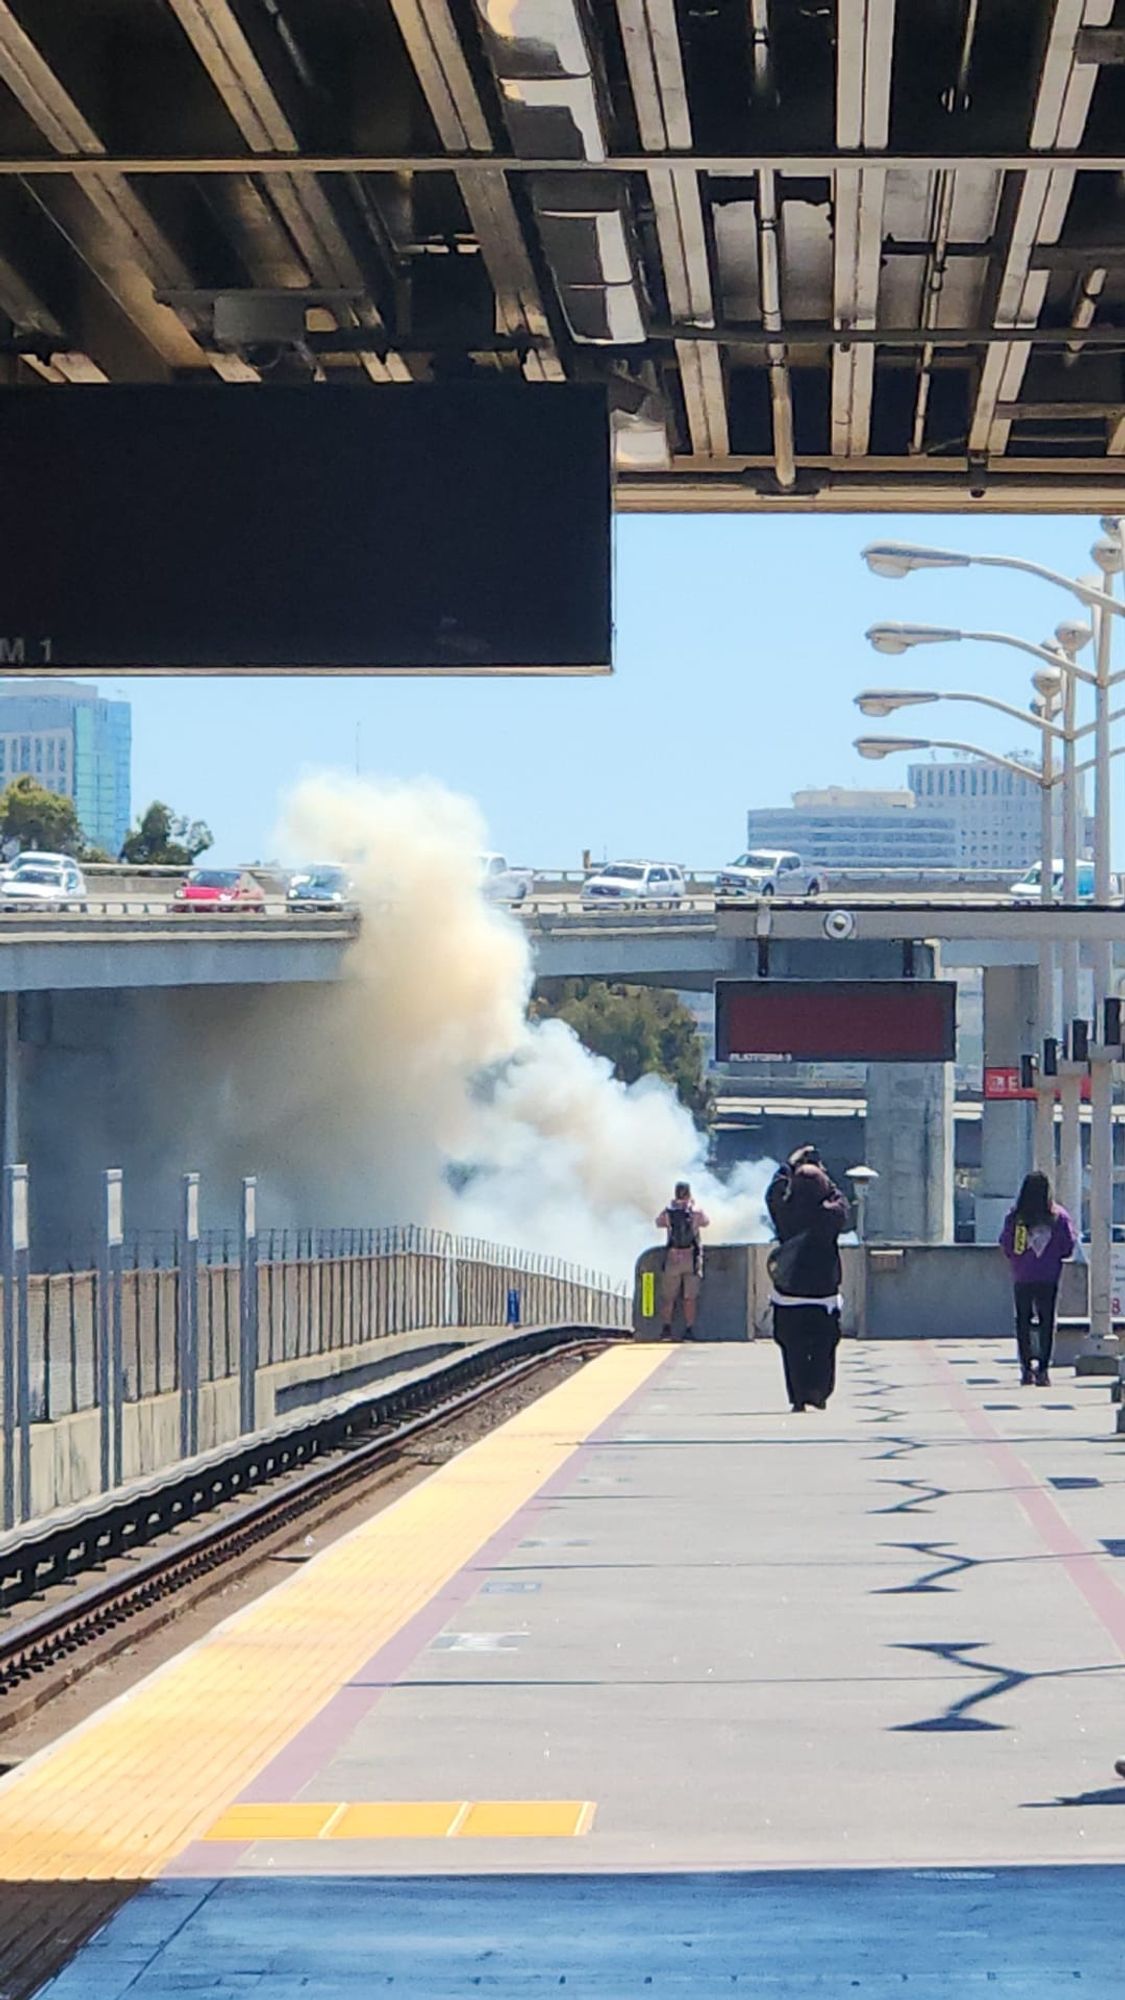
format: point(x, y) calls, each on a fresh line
point(66, 1453)
point(919, 1291)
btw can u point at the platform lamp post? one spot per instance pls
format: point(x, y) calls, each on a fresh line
point(1049, 685)
point(1070, 1071)
point(862, 1179)
point(1107, 553)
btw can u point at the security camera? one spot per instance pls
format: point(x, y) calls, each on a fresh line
point(839, 924)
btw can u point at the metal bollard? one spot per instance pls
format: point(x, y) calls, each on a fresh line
point(110, 1355)
point(17, 1379)
point(248, 1306)
point(187, 1317)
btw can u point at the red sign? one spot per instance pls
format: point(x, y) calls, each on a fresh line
point(1004, 1083)
point(842, 1020)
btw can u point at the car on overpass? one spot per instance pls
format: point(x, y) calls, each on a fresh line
point(501, 883)
point(220, 889)
point(655, 884)
point(769, 871)
point(35, 879)
point(324, 886)
point(1029, 888)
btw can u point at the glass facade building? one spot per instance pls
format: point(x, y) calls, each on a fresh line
point(65, 736)
point(836, 828)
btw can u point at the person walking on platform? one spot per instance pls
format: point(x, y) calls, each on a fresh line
point(683, 1258)
point(1037, 1238)
point(809, 1214)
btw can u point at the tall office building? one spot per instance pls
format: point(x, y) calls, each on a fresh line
point(70, 740)
point(836, 828)
point(997, 813)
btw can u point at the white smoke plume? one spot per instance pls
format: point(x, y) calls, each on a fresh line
point(413, 1090)
point(433, 1062)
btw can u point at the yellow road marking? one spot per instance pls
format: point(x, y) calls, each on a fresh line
point(130, 1788)
point(408, 1819)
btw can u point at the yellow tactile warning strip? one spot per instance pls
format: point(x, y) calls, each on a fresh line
point(409, 1819)
point(129, 1789)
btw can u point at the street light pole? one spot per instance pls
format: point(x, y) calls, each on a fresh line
point(1070, 1085)
point(1108, 556)
point(1045, 1089)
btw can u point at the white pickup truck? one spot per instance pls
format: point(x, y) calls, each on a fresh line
point(769, 871)
point(502, 884)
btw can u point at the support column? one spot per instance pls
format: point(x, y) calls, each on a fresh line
point(909, 1142)
point(1007, 1147)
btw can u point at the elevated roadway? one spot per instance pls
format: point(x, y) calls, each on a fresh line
point(123, 942)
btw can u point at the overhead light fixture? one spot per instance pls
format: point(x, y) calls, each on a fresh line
point(896, 559)
point(900, 638)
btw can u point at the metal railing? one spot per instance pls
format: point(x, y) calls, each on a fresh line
point(169, 1312)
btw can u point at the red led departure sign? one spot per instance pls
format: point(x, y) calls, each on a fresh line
point(839, 1020)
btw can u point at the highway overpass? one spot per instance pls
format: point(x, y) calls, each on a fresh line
point(100, 1007)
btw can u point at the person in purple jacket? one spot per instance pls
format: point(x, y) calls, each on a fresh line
point(1037, 1238)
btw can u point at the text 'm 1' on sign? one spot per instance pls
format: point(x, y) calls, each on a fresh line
point(303, 528)
point(839, 1020)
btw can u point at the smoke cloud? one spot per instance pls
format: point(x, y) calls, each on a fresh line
point(415, 1089)
point(434, 1064)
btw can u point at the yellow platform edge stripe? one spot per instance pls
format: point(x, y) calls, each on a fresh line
point(408, 1819)
point(125, 1791)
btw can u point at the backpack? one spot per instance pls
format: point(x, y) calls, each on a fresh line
point(784, 1260)
point(681, 1229)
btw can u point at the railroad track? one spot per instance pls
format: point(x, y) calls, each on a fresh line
point(55, 1636)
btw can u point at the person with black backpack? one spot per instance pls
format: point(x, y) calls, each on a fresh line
point(683, 1258)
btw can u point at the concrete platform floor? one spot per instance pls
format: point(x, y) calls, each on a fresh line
point(844, 1690)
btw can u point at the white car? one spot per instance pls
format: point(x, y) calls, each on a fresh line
point(1028, 889)
point(769, 871)
point(656, 884)
point(36, 879)
point(502, 883)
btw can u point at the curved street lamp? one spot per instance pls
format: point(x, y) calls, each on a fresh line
point(898, 559)
point(1070, 638)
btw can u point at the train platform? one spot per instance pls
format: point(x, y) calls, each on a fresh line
point(659, 1692)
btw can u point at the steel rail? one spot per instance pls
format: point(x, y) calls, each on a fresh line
point(40, 1641)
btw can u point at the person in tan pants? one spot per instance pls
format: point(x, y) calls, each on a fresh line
point(681, 1278)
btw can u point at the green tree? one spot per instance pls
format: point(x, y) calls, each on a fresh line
point(34, 817)
point(163, 839)
point(641, 1030)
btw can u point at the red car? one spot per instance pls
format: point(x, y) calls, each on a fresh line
point(220, 889)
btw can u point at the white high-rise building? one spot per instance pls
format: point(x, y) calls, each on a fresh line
point(996, 812)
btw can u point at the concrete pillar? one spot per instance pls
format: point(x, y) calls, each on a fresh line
point(910, 1145)
point(1007, 1130)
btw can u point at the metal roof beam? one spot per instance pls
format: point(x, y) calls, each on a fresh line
point(651, 39)
point(434, 47)
point(1065, 90)
point(864, 53)
point(217, 38)
point(115, 219)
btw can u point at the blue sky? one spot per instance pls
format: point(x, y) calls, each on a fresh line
point(739, 647)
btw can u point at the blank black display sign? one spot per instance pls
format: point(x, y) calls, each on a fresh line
point(392, 529)
point(845, 1020)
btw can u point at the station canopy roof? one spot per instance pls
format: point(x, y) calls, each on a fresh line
point(835, 253)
